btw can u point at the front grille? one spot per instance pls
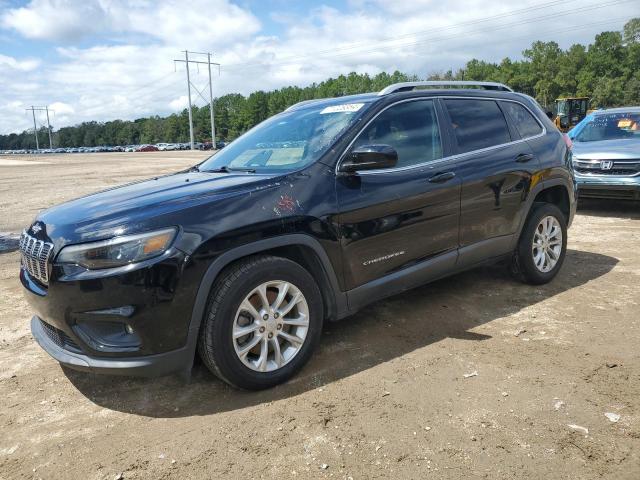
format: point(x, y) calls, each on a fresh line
point(619, 168)
point(35, 257)
point(60, 338)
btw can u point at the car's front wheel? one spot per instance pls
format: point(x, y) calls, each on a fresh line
point(263, 321)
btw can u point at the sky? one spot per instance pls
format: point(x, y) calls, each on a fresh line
point(108, 59)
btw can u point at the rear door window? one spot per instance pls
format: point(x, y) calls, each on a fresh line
point(477, 124)
point(522, 119)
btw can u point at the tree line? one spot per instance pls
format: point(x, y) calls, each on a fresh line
point(608, 71)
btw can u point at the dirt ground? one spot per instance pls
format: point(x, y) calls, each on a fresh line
point(389, 393)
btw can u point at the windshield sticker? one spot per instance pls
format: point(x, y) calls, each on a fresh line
point(346, 107)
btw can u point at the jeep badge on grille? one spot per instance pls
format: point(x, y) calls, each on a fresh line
point(35, 228)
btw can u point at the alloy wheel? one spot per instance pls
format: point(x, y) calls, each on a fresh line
point(270, 326)
point(547, 244)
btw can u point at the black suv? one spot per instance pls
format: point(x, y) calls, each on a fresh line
point(309, 216)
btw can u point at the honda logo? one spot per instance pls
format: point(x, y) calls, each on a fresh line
point(606, 165)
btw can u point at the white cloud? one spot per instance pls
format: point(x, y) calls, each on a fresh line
point(10, 63)
point(123, 66)
point(189, 24)
point(173, 22)
point(65, 20)
point(62, 108)
point(180, 103)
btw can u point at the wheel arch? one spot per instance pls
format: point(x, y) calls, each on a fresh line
point(300, 248)
point(556, 191)
point(557, 195)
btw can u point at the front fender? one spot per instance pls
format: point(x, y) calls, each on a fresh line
point(242, 251)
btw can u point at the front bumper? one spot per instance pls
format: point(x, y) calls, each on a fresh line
point(146, 366)
point(133, 323)
point(623, 188)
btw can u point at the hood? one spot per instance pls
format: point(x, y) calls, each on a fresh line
point(622, 149)
point(141, 205)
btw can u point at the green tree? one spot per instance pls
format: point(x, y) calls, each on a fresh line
point(631, 31)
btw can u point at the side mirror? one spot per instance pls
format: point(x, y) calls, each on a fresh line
point(369, 157)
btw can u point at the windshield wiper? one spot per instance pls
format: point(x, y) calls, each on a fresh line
point(225, 169)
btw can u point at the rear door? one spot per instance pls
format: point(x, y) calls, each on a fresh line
point(393, 218)
point(496, 167)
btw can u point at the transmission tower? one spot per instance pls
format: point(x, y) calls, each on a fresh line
point(186, 61)
point(35, 127)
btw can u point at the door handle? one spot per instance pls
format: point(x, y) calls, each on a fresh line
point(442, 177)
point(524, 158)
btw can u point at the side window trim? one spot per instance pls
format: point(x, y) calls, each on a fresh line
point(444, 120)
point(449, 146)
point(513, 130)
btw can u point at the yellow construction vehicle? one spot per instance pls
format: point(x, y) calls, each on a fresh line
point(569, 111)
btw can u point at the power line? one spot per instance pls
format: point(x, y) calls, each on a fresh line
point(393, 42)
point(543, 32)
point(129, 93)
point(569, 28)
point(423, 32)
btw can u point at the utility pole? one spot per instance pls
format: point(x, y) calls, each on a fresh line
point(189, 85)
point(213, 127)
point(186, 61)
point(49, 128)
point(35, 127)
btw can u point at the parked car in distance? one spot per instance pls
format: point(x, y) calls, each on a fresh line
point(147, 148)
point(606, 154)
point(308, 217)
point(166, 146)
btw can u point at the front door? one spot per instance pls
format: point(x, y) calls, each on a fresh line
point(394, 218)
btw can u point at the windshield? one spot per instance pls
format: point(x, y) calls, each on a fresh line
point(287, 141)
point(610, 126)
point(563, 107)
point(579, 126)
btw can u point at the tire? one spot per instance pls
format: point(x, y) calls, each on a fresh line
point(226, 316)
point(528, 264)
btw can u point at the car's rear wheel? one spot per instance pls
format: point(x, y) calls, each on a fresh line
point(542, 246)
point(263, 321)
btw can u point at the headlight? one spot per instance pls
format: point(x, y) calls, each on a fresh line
point(118, 251)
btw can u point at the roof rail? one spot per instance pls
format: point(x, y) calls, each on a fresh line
point(404, 86)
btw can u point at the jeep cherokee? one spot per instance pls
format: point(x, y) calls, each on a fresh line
point(314, 213)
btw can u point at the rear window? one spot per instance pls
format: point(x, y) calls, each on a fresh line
point(477, 123)
point(526, 125)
